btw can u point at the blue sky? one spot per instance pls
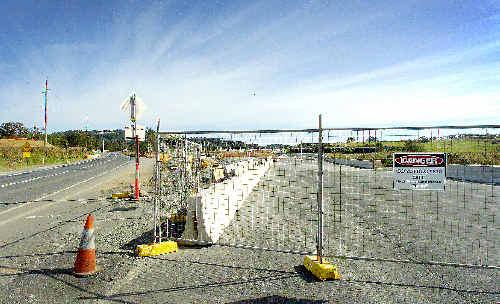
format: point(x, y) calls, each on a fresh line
point(251, 64)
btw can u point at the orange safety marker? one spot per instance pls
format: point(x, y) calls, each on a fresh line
point(85, 263)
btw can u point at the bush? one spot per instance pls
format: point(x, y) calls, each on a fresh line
point(12, 157)
point(413, 146)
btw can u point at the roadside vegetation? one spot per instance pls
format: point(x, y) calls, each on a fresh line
point(62, 147)
point(11, 154)
point(465, 149)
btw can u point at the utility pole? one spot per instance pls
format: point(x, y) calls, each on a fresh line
point(45, 107)
point(44, 92)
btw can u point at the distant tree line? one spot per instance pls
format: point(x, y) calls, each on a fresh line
point(114, 140)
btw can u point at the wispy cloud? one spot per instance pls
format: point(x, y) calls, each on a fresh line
point(263, 65)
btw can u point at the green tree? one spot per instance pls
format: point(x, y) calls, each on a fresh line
point(13, 129)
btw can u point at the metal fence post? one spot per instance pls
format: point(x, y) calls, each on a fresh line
point(157, 182)
point(185, 184)
point(320, 193)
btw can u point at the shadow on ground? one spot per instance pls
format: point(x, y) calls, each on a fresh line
point(279, 299)
point(144, 238)
point(123, 209)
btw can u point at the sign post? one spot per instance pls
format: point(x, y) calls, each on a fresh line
point(419, 171)
point(134, 104)
point(27, 152)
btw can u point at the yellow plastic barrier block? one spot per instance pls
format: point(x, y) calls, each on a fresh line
point(323, 271)
point(177, 218)
point(120, 195)
point(156, 248)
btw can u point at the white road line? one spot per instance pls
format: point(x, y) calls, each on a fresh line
point(56, 166)
point(33, 179)
point(50, 175)
point(54, 193)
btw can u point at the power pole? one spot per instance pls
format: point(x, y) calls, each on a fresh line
point(44, 92)
point(45, 117)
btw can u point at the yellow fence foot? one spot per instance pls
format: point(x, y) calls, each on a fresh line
point(120, 195)
point(156, 248)
point(322, 271)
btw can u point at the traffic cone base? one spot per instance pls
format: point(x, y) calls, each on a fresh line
point(85, 263)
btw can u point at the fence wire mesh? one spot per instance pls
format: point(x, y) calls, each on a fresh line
point(259, 189)
point(249, 192)
point(367, 218)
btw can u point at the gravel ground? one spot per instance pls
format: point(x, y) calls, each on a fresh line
point(233, 275)
point(38, 270)
point(364, 217)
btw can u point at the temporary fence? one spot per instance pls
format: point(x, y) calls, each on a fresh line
point(330, 191)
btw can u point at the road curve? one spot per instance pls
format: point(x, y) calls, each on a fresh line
point(36, 184)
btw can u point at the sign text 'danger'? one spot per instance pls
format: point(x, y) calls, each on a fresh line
point(419, 160)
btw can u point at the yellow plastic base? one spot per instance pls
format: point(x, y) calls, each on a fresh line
point(323, 271)
point(120, 195)
point(156, 248)
point(177, 218)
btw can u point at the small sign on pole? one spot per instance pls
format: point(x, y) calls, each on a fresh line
point(419, 171)
point(129, 133)
point(27, 150)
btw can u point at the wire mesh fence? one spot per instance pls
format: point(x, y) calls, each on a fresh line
point(287, 190)
point(368, 218)
point(249, 193)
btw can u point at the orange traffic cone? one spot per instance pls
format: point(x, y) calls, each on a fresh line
point(85, 259)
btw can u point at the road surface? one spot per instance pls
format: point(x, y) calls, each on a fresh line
point(38, 183)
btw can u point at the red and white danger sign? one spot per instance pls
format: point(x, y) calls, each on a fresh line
point(419, 171)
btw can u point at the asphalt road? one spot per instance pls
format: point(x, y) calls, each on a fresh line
point(37, 235)
point(35, 184)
